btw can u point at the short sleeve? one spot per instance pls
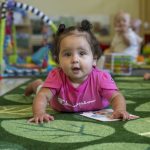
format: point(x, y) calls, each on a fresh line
point(108, 86)
point(53, 79)
point(107, 81)
point(132, 37)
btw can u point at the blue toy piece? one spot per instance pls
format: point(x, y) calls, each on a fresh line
point(40, 55)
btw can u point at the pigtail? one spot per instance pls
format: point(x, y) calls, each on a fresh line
point(61, 29)
point(86, 25)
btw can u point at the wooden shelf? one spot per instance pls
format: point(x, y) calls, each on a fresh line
point(144, 16)
point(23, 36)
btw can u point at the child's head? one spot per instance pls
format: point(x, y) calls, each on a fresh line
point(83, 30)
point(122, 19)
point(76, 50)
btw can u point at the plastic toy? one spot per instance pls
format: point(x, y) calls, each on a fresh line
point(146, 49)
point(118, 64)
point(7, 23)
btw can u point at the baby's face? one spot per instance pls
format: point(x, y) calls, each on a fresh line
point(122, 20)
point(76, 58)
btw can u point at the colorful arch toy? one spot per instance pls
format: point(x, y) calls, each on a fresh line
point(10, 4)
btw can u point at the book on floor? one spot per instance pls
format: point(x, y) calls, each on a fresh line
point(103, 115)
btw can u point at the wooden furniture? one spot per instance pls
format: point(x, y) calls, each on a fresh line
point(145, 16)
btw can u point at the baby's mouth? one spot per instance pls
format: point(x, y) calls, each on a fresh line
point(76, 69)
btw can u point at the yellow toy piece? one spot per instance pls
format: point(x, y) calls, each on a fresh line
point(146, 49)
point(51, 62)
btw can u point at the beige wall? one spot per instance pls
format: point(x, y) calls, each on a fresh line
point(84, 7)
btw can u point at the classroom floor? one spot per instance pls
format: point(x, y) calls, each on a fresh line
point(9, 84)
point(71, 130)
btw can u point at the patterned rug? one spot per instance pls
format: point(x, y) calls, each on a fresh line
point(72, 131)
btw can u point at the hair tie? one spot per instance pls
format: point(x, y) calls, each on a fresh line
point(61, 28)
point(86, 25)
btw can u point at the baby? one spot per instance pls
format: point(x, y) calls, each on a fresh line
point(76, 85)
point(125, 41)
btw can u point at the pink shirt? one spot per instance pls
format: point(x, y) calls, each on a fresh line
point(93, 94)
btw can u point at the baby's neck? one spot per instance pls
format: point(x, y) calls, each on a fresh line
point(75, 85)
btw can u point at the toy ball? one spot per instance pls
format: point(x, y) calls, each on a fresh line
point(140, 58)
point(146, 49)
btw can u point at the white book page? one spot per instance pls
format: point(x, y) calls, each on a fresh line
point(103, 115)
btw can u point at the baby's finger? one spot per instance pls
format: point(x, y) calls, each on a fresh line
point(41, 120)
point(115, 116)
point(46, 118)
point(133, 117)
point(125, 116)
point(30, 120)
point(36, 120)
point(51, 118)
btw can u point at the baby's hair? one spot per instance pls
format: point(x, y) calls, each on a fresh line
point(84, 29)
point(121, 12)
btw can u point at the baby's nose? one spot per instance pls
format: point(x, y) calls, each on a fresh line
point(75, 59)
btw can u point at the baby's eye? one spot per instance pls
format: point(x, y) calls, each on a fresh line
point(82, 53)
point(67, 54)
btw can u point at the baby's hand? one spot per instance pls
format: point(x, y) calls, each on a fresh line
point(118, 29)
point(40, 118)
point(121, 114)
point(121, 29)
point(146, 76)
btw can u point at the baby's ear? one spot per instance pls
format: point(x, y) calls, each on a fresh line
point(94, 62)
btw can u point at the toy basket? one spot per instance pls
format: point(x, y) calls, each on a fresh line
point(118, 64)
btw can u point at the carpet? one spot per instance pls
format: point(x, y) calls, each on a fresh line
point(74, 132)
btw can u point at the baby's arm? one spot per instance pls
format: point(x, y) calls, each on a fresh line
point(126, 39)
point(119, 107)
point(139, 39)
point(39, 106)
point(131, 39)
point(123, 31)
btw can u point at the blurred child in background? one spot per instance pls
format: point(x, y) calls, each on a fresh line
point(125, 40)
